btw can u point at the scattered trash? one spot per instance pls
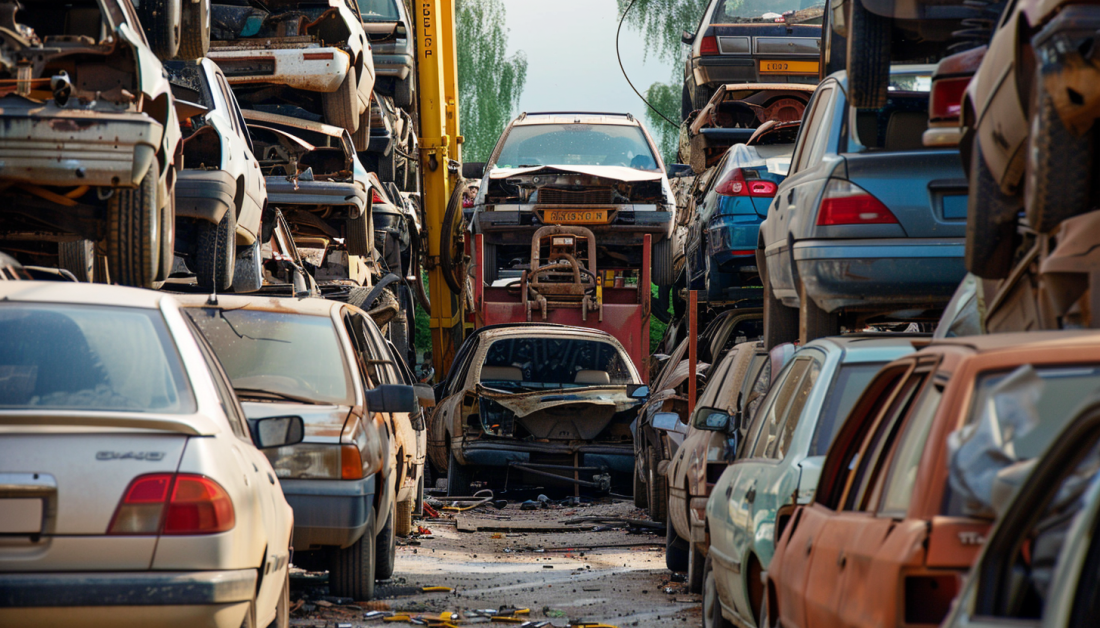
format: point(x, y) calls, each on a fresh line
point(552, 612)
point(497, 535)
point(422, 531)
point(430, 512)
point(529, 505)
point(436, 589)
point(679, 577)
point(377, 615)
point(336, 600)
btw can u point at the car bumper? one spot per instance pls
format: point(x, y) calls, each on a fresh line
point(332, 513)
point(731, 240)
point(626, 226)
point(219, 598)
point(873, 274)
point(616, 458)
point(397, 66)
point(204, 194)
point(308, 69)
point(715, 71)
point(283, 192)
point(43, 145)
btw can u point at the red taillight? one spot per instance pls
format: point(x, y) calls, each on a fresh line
point(946, 98)
point(845, 203)
point(734, 184)
point(376, 197)
point(166, 503)
point(709, 46)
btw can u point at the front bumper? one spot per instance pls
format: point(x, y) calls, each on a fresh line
point(204, 194)
point(397, 66)
point(871, 275)
point(46, 145)
point(312, 69)
point(626, 226)
point(280, 192)
point(616, 458)
point(719, 70)
point(333, 513)
point(219, 598)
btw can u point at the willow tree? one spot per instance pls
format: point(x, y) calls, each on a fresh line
point(489, 81)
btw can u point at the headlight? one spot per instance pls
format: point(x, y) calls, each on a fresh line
point(319, 462)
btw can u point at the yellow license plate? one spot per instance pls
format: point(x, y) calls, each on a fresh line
point(575, 216)
point(788, 67)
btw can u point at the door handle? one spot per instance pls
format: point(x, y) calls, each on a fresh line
point(750, 496)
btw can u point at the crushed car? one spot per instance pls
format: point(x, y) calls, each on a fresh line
point(390, 30)
point(75, 73)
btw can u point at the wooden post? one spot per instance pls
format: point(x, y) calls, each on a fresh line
point(693, 336)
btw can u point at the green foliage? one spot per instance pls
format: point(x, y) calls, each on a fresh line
point(666, 99)
point(661, 22)
point(656, 327)
point(489, 83)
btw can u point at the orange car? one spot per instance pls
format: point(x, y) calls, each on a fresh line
point(909, 487)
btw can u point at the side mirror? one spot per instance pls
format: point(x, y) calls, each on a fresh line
point(713, 419)
point(473, 170)
point(666, 421)
point(277, 431)
point(392, 398)
point(687, 37)
point(425, 395)
point(677, 171)
point(641, 392)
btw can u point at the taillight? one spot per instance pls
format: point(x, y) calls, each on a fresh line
point(178, 504)
point(375, 196)
point(709, 46)
point(735, 184)
point(845, 203)
point(946, 99)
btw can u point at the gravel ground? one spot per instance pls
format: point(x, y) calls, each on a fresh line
point(560, 576)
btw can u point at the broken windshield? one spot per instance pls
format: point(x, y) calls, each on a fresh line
point(516, 364)
point(576, 145)
point(738, 11)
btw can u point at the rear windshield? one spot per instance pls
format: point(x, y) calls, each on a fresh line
point(89, 357)
point(845, 391)
point(741, 11)
point(539, 363)
point(379, 10)
point(293, 355)
point(576, 145)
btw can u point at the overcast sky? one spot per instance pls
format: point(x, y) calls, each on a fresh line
point(571, 65)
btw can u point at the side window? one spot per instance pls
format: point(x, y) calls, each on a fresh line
point(227, 95)
point(228, 400)
point(903, 468)
point(775, 406)
point(794, 413)
point(380, 364)
point(760, 387)
point(810, 132)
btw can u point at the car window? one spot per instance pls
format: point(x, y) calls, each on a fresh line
point(538, 363)
point(379, 10)
point(820, 127)
point(228, 401)
point(380, 364)
point(793, 414)
point(903, 468)
point(850, 382)
point(228, 98)
point(775, 406)
point(576, 145)
point(810, 129)
point(766, 11)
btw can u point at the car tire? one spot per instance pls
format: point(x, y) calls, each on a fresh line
point(358, 236)
point(780, 321)
point(194, 30)
point(361, 136)
point(404, 517)
point(341, 106)
point(385, 545)
point(418, 506)
point(814, 322)
point(387, 166)
point(676, 550)
point(1059, 163)
point(663, 252)
point(712, 606)
point(248, 269)
point(77, 257)
point(404, 93)
point(991, 218)
point(695, 569)
point(161, 22)
point(458, 477)
point(640, 494)
point(657, 487)
point(869, 36)
point(249, 620)
point(491, 261)
point(282, 607)
point(167, 241)
point(352, 573)
point(133, 232)
point(358, 298)
point(215, 255)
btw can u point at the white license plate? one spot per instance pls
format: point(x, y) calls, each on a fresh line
point(21, 515)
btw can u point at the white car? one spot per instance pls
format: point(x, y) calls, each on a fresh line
point(132, 491)
point(221, 192)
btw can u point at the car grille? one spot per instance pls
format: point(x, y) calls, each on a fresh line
point(554, 196)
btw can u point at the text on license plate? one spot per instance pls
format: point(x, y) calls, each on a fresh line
point(788, 67)
point(575, 216)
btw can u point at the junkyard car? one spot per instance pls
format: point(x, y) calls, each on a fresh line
point(869, 222)
point(309, 57)
point(759, 41)
point(177, 29)
point(1039, 564)
point(220, 193)
point(389, 28)
point(91, 76)
point(602, 171)
point(536, 401)
point(132, 491)
point(305, 357)
point(779, 464)
point(396, 243)
point(905, 495)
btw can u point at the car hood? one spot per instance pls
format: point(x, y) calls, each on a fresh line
point(616, 173)
point(323, 423)
point(569, 414)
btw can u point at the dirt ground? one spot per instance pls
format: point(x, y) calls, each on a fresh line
point(564, 577)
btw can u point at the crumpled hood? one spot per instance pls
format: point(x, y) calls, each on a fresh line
point(568, 414)
point(576, 185)
point(617, 173)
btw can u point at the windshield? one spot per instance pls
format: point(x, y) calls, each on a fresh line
point(379, 10)
point(89, 358)
point(576, 145)
point(293, 355)
point(539, 363)
point(738, 11)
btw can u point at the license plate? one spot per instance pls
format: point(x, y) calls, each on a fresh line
point(575, 216)
point(21, 516)
point(788, 67)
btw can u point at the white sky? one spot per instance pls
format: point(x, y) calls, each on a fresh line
point(571, 65)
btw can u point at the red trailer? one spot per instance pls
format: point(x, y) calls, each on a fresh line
point(563, 285)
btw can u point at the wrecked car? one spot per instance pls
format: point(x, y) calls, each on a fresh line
point(297, 57)
point(390, 29)
point(397, 247)
point(74, 73)
point(535, 404)
point(323, 361)
point(393, 146)
point(909, 488)
point(176, 30)
point(220, 193)
point(600, 171)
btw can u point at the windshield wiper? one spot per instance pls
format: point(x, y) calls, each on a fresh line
point(271, 394)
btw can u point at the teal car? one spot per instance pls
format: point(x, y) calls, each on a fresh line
point(779, 462)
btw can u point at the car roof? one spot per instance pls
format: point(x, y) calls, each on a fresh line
point(538, 330)
point(576, 117)
point(882, 347)
point(311, 306)
point(80, 293)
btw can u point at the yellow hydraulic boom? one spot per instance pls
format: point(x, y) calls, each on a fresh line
point(440, 151)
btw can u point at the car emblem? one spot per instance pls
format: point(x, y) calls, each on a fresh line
point(151, 456)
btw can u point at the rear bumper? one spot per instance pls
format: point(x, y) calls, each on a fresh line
point(283, 192)
point(204, 194)
point(616, 458)
point(876, 274)
point(329, 513)
point(627, 227)
point(715, 71)
point(300, 68)
point(397, 66)
point(730, 234)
